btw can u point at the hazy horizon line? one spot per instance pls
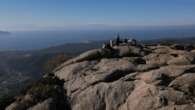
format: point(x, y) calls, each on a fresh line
point(90, 27)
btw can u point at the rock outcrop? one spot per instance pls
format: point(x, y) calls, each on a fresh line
point(125, 78)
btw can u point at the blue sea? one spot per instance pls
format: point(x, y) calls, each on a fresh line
point(29, 40)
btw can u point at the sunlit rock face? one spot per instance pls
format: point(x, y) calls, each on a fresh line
point(124, 78)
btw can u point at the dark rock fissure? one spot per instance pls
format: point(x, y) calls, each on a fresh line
point(191, 70)
point(116, 75)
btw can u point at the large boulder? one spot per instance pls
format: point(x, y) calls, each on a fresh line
point(161, 49)
point(102, 96)
point(182, 60)
point(143, 97)
point(94, 54)
point(158, 59)
point(172, 96)
point(81, 75)
point(185, 83)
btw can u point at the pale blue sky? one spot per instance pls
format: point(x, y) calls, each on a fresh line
point(56, 14)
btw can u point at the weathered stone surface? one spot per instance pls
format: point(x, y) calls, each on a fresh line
point(181, 58)
point(161, 49)
point(158, 59)
point(15, 106)
point(22, 103)
point(126, 78)
point(179, 107)
point(143, 97)
point(123, 51)
point(172, 96)
point(45, 105)
point(146, 67)
point(185, 83)
point(102, 96)
point(81, 75)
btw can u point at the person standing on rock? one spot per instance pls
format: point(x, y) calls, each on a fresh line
point(125, 41)
point(107, 46)
point(111, 43)
point(118, 41)
point(132, 42)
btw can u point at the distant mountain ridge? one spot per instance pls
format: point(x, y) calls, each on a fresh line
point(4, 32)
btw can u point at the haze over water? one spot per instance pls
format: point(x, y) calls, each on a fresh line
point(28, 40)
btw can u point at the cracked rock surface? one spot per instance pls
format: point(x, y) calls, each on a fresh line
point(128, 78)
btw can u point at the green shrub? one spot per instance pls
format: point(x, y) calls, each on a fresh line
point(46, 87)
point(51, 64)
